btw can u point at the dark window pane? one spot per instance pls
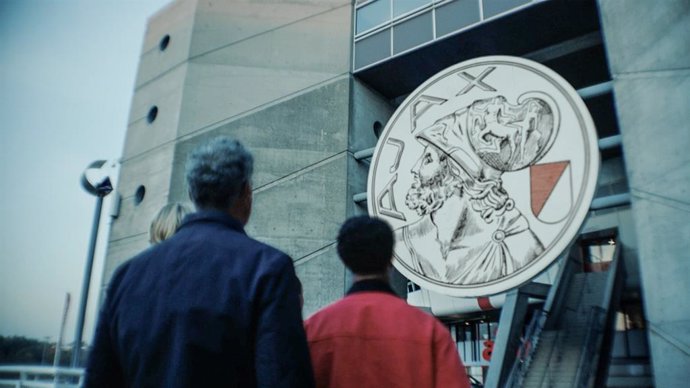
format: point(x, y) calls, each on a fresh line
point(373, 48)
point(373, 14)
point(402, 6)
point(494, 7)
point(456, 15)
point(412, 33)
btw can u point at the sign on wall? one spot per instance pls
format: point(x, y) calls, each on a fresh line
point(486, 172)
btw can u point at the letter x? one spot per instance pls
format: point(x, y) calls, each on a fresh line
point(476, 81)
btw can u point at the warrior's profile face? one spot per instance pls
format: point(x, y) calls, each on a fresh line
point(429, 166)
point(435, 179)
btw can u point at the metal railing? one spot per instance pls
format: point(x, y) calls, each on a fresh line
point(27, 376)
point(527, 350)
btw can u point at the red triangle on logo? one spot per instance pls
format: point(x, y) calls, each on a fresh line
point(543, 179)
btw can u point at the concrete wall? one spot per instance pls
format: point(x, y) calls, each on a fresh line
point(147, 157)
point(275, 75)
point(647, 47)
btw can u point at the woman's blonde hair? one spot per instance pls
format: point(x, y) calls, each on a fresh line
point(166, 222)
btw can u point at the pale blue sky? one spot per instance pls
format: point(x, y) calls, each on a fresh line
point(67, 71)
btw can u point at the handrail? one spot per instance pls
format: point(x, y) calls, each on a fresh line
point(43, 370)
point(560, 334)
point(34, 376)
point(614, 268)
point(595, 323)
point(557, 344)
point(553, 302)
point(527, 350)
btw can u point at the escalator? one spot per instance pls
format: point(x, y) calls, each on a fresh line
point(568, 343)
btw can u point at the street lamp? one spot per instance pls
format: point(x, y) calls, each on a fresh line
point(94, 180)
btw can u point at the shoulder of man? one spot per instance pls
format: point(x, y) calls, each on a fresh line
point(269, 254)
point(131, 264)
point(344, 307)
point(246, 245)
point(348, 307)
point(125, 268)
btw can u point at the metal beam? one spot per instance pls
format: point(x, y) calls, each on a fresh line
point(610, 142)
point(536, 290)
point(610, 201)
point(564, 48)
point(365, 153)
point(596, 90)
point(510, 327)
point(359, 197)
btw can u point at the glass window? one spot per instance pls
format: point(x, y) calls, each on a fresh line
point(403, 6)
point(598, 253)
point(373, 48)
point(456, 15)
point(494, 7)
point(373, 14)
point(413, 32)
point(601, 253)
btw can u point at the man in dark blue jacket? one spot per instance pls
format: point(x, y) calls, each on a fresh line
point(209, 307)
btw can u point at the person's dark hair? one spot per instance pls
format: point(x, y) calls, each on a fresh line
point(365, 245)
point(217, 171)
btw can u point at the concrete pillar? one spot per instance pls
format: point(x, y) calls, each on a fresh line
point(647, 47)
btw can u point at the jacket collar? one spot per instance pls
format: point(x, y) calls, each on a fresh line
point(371, 285)
point(212, 216)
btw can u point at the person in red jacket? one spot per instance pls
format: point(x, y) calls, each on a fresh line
point(371, 337)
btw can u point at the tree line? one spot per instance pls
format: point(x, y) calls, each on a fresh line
point(16, 350)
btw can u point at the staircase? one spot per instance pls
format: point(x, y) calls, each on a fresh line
point(556, 362)
point(569, 342)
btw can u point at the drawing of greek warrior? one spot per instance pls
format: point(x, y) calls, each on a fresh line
point(470, 230)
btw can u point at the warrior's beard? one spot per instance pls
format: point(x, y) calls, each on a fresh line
point(428, 196)
point(488, 198)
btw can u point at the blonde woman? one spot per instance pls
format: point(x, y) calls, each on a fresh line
point(166, 222)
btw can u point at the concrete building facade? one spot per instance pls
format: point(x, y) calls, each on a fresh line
point(307, 85)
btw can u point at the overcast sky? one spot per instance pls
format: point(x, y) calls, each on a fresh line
point(67, 71)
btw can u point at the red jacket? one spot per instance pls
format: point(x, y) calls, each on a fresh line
point(372, 338)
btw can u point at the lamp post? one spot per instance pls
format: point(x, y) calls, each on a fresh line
point(95, 181)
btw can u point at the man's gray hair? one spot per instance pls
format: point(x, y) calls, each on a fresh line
point(216, 172)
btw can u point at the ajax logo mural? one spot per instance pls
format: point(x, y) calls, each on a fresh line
point(486, 173)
